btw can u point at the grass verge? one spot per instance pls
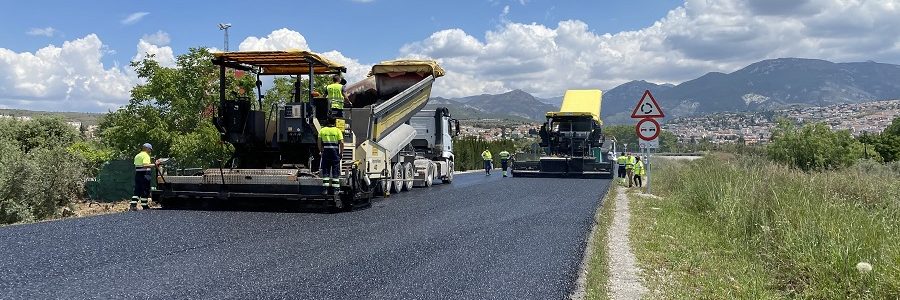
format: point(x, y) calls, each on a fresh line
point(597, 284)
point(738, 227)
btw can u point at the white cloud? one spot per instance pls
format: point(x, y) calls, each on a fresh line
point(134, 18)
point(693, 39)
point(286, 39)
point(160, 38)
point(70, 77)
point(161, 54)
point(281, 39)
point(48, 31)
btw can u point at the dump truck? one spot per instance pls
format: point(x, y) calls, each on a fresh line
point(572, 141)
point(390, 143)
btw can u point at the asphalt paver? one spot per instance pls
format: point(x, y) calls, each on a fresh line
point(481, 237)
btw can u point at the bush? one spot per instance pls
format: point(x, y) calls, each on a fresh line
point(813, 147)
point(38, 173)
point(467, 152)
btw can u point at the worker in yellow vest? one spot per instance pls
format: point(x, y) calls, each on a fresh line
point(488, 158)
point(331, 146)
point(504, 161)
point(621, 170)
point(336, 97)
point(143, 170)
point(629, 169)
point(639, 172)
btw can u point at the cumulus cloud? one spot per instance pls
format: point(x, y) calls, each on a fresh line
point(160, 38)
point(286, 39)
point(70, 77)
point(697, 37)
point(161, 54)
point(134, 18)
point(281, 39)
point(47, 31)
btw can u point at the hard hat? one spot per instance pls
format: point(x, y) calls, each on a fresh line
point(148, 146)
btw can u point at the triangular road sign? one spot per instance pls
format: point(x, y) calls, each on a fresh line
point(647, 108)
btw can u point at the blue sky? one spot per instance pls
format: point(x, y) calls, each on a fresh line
point(74, 55)
point(370, 31)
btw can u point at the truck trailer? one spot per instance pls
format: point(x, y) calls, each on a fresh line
point(390, 143)
point(572, 141)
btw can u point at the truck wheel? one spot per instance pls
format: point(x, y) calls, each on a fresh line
point(429, 176)
point(397, 179)
point(408, 177)
point(449, 178)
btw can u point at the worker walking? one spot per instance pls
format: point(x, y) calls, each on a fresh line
point(639, 171)
point(621, 160)
point(336, 97)
point(504, 161)
point(330, 148)
point(143, 170)
point(629, 168)
point(488, 161)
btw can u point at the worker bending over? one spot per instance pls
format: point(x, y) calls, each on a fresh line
point(488, 161)
point(504, 161)
point(639, 171)
point(330, 148)
point(143, 170)
point(336, 97)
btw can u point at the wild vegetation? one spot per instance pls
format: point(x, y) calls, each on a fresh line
point(38, 173)
point(467, 151)
point(814, 216)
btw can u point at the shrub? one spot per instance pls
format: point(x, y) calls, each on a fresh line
point(38, 174)
point(813, 147)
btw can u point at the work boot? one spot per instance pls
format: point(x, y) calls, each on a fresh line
point(132, 205)
point(145, 203)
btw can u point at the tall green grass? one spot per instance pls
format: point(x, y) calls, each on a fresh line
point(807, 231)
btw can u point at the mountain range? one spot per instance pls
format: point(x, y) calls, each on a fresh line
point(765, 85)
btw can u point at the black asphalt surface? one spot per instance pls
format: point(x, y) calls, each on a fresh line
point(477, 238)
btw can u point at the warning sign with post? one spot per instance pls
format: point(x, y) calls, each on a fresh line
point(647, 128)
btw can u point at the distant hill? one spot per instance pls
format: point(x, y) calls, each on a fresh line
point(515, 105)
point(86, 119)
point(778, 83)
point(765, 85)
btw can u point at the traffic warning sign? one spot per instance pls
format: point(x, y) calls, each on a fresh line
point(647, 108)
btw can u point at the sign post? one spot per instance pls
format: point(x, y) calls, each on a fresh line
point(647, 128)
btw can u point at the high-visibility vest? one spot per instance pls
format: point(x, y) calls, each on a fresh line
point(639, 168)
point(335, 95)
point(331, 137)
point(504, 155)
point(621, 160)
point(629, 162)
point(142, 159)
point(486, 155)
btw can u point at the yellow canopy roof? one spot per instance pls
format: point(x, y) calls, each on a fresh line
point(408, 66)
point(582, 102)
point(291, 62)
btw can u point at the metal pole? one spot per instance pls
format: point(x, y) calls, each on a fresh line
point(648, 170)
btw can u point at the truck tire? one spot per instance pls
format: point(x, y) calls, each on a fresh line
point(429, 176)
point(449, 178)
point(397, 178)
point(408, 176)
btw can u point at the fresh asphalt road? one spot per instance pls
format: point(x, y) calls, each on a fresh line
point(477, 238)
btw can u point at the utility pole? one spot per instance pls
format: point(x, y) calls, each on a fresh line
point(225, 26)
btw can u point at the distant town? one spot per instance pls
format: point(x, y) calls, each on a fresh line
point(756, 127)
point(720, 128)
